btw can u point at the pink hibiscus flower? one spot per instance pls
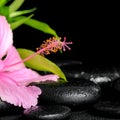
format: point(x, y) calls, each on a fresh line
point(15, 78)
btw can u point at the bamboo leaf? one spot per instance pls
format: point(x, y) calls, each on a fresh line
point(22, 12)
point(4, 11)
point(15, 5)
point(40, 26)
point(3, 2)
point(19, 22)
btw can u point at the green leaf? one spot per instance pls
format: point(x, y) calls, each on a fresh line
point(40, 26)
point(19, 21)
point(4, 11)
point(40, 63)
point(15, 5)
point(3, 2)
point(22, 12)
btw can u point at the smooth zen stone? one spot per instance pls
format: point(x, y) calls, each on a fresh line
point(114, 93)
point(49, 112)
point(67, 62)
point(104, 76)
point(108, 108)
point(12, 117)
point(85, 115)
point(75, 92)
point(116, 84)
point(71, 68)
point(97, 74)
point(8, 109)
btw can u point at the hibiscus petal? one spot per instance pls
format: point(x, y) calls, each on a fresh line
point(26, 76)
point(21, 96)
point(12, 58)
point(6, 36)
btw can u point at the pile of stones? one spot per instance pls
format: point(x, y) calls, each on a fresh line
point(91, 93)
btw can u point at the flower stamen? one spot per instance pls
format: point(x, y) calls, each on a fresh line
point(53, 45)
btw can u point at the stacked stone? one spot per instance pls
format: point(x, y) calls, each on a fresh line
point(91, 93)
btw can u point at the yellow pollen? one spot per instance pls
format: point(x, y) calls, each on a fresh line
point(50, 45)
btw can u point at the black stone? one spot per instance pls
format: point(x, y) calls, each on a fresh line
point(49, 112)
point(116, 85)
point(71, 68)
point(67, 63)
point(9, 109)
point(98, 74)
point(76, 92)
point(12, 117)
point(108, 108)
point(86, 115)
point(113, 93)
point(103, 76)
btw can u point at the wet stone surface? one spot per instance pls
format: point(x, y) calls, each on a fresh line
point(8, 109)
point(12, 117)
point(98, 74)
point(107, 108)
point(87, 115)
point(92, 93)
point(49, 112)
point(77, 92)
point(116, 84)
